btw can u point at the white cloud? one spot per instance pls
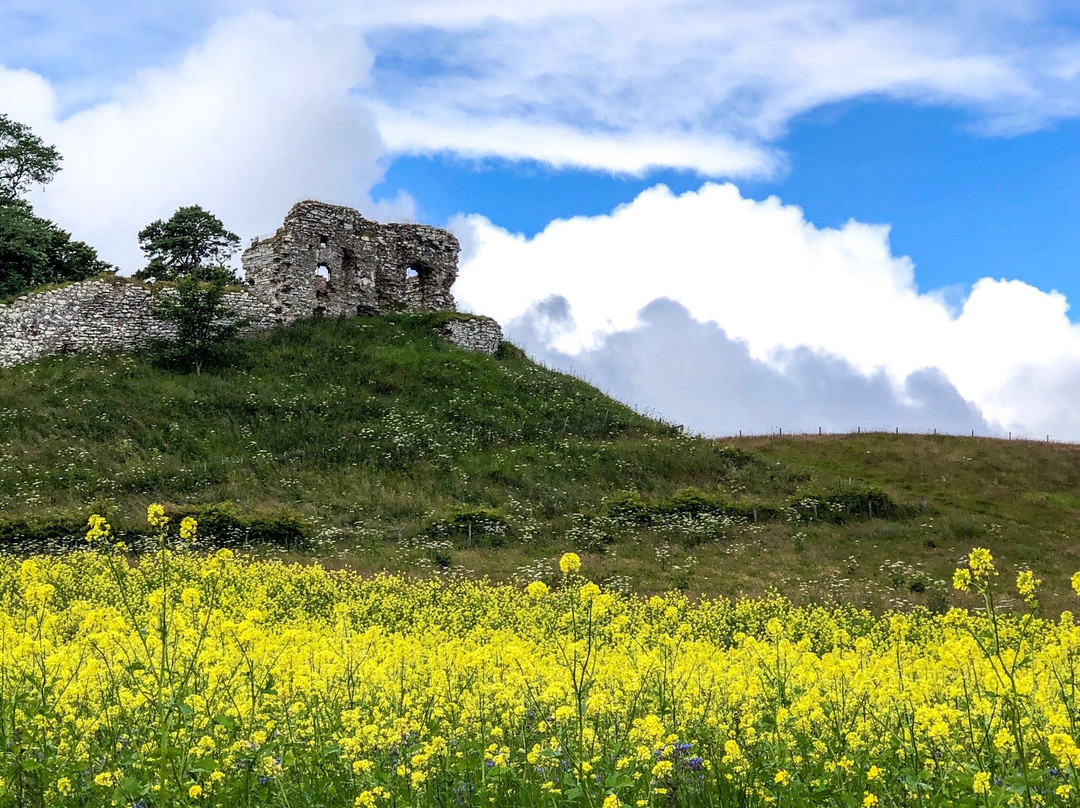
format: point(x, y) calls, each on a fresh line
point(772, 279)
point(257, 116)
point(694, 374)
point(616, 85)
point(626, 85)
point(562, 146)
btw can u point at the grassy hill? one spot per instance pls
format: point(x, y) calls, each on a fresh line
point(373, 443)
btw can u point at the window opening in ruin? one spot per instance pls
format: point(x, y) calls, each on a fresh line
point(323, 271)
point(324, 240)
point(418, 282)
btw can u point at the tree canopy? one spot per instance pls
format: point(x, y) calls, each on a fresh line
point(35, 252)
point(192, 242)
point(25, 160)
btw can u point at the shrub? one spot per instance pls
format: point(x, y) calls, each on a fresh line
point(470, 527)
point(221, 526)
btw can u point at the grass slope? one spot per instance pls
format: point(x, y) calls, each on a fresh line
point(392, 449)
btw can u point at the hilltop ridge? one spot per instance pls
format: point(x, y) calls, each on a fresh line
point(374, 443)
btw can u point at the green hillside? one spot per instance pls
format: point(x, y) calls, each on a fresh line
point(372, 442)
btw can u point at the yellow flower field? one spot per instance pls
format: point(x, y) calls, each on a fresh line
point(195, 680)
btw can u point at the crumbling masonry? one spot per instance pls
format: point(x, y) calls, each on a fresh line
point(329, 260)
point(324, 260)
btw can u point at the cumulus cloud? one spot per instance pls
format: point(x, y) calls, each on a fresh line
point(256, 116)
point(694, 374)
point(772, 280)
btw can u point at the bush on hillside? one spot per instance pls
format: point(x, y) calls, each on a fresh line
point(219, 526)
point(470, 527)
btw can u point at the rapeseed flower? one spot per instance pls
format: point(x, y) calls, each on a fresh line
point(537, 589)
point(188, 528)
point(570, 563)
point(280, 682)
point(98, 529)
point(155, 515)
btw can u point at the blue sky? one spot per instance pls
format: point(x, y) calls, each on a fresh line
point(963, 205)
point(748, 215)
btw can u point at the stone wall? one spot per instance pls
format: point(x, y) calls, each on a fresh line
point(98, 315)
point(114, 314)
point(479, 334)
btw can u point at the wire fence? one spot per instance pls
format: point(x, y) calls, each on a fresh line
point(821, 432)
point(779, 431)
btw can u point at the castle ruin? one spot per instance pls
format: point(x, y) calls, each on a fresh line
point(325, 260)
point(329, 260)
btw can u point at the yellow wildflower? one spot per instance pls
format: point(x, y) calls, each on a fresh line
point(155, 515)
point(589, 591)
point(962, 579)
point(188, 528)
point(570, 562)
point(98, 528)
point(981, 564)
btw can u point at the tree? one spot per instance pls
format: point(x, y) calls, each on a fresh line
point(192, 242)
point(204, 322)
point(24, 159)
point(34, 252)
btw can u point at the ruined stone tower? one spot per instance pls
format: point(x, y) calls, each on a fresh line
point(330, 260)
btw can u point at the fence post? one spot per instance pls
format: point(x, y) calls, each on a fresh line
point(819, 430)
